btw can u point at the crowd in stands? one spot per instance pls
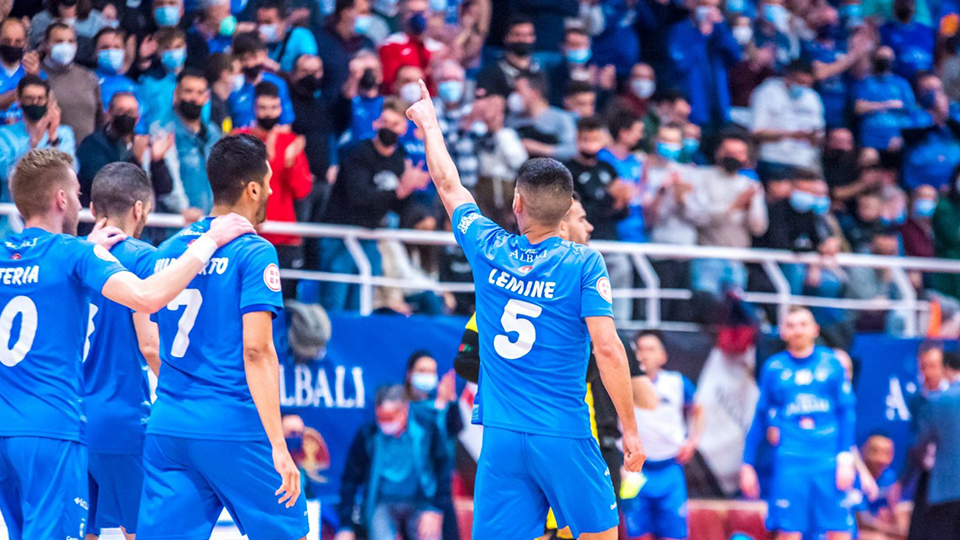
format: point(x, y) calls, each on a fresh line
point(805, 125)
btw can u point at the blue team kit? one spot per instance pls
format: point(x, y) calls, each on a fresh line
point(538, 450)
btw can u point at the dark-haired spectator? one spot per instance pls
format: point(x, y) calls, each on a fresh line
point(702, 50)
point(946, 235)
point(454, 108)
point(772, 32)
point(15, 63)
point(580, 99)
point(117, 141)
point(912, 42)
point(603, 195)
point(931, 148)
point(39, 127)
point(917, 231)
point(193, 139)
point(338, 41)
point(788, 122)
point(734, 212)
point(500, 77)
point(876, 283)
point(224, 77)
point(403, 468)
point(252, 53)
point(410, 46)
point(211, 32)
point(157, 85)
point(884, 104)
point(315, 118)
point(76, 87)
point(877, 518)
point(363, 91)
point(284, 45)
point(111, 65)
point(291, 179)
point(546, 131)
point(79, 14)
point(692, 152)
point(841, 168)
point(378, 180)
point(626, 133)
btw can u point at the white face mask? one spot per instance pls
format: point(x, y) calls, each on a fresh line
point(410, 92)
point(515, 103)
point(742, 34)
point(237, 81)
point(63, 53)
point(642, 88)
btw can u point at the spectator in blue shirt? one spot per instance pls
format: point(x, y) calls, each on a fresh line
point(363, 91)
point(702, 50)
point(212, 32)
point(14, 64)
point(157, 87)
point(626, 132)
point(832, 56)
point(884, 104)
point(771, 31)
point(252, 53)
point(932, 147)
point(879, 515)
point(338, 42)
point(284, 45)
point(912, 42)
point(654, 22)
point(617, 43)
point(111, 65)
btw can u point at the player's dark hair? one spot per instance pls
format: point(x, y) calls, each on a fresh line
point(576, 197)
point(246, 43)
point(649, 332)
point(546, 187)
point(235, 161)
point(589, 123)
point(117, 187)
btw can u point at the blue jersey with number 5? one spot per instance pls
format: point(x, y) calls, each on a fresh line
point(202, 391)
point(531, 303)
point(45, 285)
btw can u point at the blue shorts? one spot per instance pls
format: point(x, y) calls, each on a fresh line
point(116, 481)
point(43, 487)
point(521, 475)
point(188, 482)
point(804, 497)
point(661, 506)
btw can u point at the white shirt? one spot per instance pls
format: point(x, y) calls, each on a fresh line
point(664, 429)
point(773, 108)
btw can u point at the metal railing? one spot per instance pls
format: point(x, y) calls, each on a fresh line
point(641, 257)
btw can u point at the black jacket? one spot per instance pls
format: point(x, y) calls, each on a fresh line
point(99, 149)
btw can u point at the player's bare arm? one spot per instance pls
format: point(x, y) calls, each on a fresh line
point(148, 338)
point(644, 394)
point(615, 374)
point(151, 294)
point(440, 164)
point(263, 378)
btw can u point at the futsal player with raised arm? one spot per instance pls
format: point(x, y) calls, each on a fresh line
point(214, 439)
point(121, 347)
point(540, 302)
point(46, 278)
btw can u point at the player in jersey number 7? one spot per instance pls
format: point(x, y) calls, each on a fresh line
point(554, 297)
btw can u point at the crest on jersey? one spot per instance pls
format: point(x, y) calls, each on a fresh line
point(102, 253)
point(603, 287)
point(525, 269)
point(271, 276)
point(15, 256)
point(804, 377)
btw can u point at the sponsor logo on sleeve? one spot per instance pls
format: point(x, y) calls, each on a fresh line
point(102, 253)
point(603, 287)
point(271, 276)
point(466, 221)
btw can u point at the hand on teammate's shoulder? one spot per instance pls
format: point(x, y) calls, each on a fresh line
point(226, 228)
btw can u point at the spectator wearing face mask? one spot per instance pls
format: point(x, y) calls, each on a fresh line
point(39, 127)
point(865, 222)
point(788, 122)
point(617, 43)
point(692, 153)
point(403, 469)
point(15, 63)
point(224, 77)
point(76, 88)
point(500, 153)
point(409, 47)
point(884, 104)
point(917, 230)
point(111, 65)
point(500, 77)
point(167, 13)
point(841, 168)
point(284, 45)
point(157, 86)
point(374, 178)
point(339, 40)
point(362, 90)
point(912, 42)
point(580, 99)
point(252, 53)
point(546, 131)
point(454, 108)
point(316, 119)
point(577, 64)
point(931, 148)
point(291, 179)
point(117, 141)
point(603, 195)
point(77, 14)
point(635, 93)
point(193, 139)
point(212, 32)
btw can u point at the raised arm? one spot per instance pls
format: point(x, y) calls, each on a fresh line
point(615, 374)
point(442, 169)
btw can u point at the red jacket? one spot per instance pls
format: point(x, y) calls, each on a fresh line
point(288, 183)
point(400, 50)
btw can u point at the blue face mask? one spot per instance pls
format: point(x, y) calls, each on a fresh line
point(424, 382)
point(923, 208)
point(228, 26)
point(852, 13)
point(578, 56)
point(450, 91)
point(795, 91)
point(775, 14)
point(821, 205)
point(270, 33)
point(895, 220)
point(361, 25)
point(110, 59)
point(691, 145)
point(669, 151)
point(802, 201)
point(173, 59)
point(167, 15)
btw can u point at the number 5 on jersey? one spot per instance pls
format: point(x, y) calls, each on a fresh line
point(191, 299)
point(512, 323)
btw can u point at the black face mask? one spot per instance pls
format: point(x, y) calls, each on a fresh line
point(124, 124)
point(251, 73)
point(387, 137)
point(904, 14)
point(190, 110)
point(367, 81)
point(882, 65)
point(268, 122)
point(309, 84)
point(829, 31)
point(520, 48)
point(730, 164)
point(34, 112)
point(589, 156)
point(10, 54)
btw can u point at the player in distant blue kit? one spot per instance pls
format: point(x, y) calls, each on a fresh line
point(806, 409)
point(540, 300)
point(214, 439)
point(46, 278)
point(120, 347)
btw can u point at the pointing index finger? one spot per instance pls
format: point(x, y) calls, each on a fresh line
point(424, 93)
